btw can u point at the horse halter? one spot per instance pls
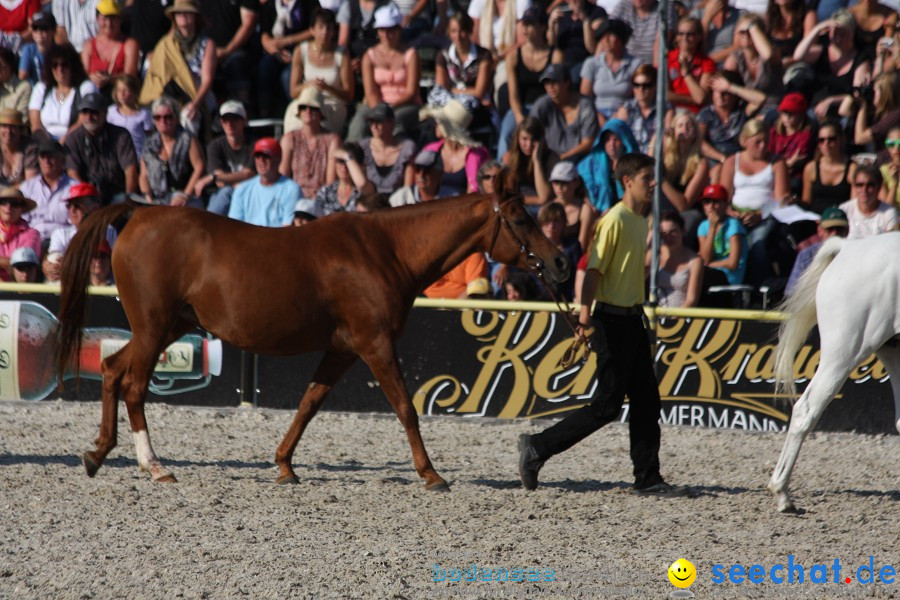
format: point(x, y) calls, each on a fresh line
point(534, 263)
point(537, 265)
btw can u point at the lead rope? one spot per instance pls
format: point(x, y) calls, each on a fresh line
point(581, 341)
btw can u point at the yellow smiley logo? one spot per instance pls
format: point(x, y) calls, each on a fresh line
point(682, 573)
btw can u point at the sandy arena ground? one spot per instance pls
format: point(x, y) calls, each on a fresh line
point(360, 525)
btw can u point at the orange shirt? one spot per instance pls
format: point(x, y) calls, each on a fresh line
point(453, 284)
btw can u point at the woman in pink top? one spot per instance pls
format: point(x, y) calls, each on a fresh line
point(14, 230)
point(390, 73)
point(461, 156)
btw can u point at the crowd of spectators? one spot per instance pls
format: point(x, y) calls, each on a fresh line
point(278, 112)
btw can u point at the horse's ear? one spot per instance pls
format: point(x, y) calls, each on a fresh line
point(500, 185)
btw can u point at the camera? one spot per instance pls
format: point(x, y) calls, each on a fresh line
point(865, 92)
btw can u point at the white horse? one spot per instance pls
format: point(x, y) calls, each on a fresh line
point(852, 289)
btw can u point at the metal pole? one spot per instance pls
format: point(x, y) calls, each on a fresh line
point(661, 86)
point(249, 371)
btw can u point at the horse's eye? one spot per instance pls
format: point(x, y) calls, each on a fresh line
point(520, 222)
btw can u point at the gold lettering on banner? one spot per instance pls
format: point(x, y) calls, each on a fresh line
point(697, 358)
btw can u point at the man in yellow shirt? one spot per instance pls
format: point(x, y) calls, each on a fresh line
point(615, 279)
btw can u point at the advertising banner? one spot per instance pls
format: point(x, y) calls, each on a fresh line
point(468, 363)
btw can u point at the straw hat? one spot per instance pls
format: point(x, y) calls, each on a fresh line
point(10, 116)
point(453, 119)
point(183, 6)
point(16, 194)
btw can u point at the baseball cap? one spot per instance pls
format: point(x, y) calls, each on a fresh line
point(715, 191)
point(306, 207)
point(388, 16)
point(564, 170)
point(534, 15)
point(94, 102)
point(43, 20)
point(108, 8)
point(23, 255)
point(232, 107)
point(555, 72)
point(794, 102)
point(834, 217)
point(428, 159)
point(103, 248)
point(381, 112)
point(267, 146)
point(83, 190)
point(49, 146)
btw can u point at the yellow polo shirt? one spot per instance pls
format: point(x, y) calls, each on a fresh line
point(620, 246)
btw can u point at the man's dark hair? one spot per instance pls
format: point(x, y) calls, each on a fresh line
point(631, 164)
point(872, 172)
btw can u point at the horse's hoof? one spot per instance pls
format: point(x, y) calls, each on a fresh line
point(169, 478)
point(786, 506)
point(438, 486)
point(287, 479)
point(90, 463)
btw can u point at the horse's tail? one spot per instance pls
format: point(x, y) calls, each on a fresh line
point(800, 307)
point(76, 273)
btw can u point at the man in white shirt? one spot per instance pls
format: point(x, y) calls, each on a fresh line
point(50, 189)
point(867, 214)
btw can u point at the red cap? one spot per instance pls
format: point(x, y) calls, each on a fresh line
point(715, 192)
point(103, 248)
point(82, 190)
point(268, 146)
point(793, 103)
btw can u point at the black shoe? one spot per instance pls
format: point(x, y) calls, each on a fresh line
point(529, 462)
point(662, 490)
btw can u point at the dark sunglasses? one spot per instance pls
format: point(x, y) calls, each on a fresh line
point(59, 63)
point(12, 202)
point(687, 34)
point(165, 117)
point(865, 184)
point(711, 201)
point(827, 138)
point(642, 86)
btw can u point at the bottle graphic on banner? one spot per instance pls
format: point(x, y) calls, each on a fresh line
point(28, 362)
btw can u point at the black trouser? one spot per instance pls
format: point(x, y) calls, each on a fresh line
point(624, 366)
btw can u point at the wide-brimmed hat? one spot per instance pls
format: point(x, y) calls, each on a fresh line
point(310, 96)
point(453, 118)
point(10, 116)
point(16, 194)
point(834, 217)
point(183, 6)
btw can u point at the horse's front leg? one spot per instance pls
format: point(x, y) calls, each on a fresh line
point(382, 360)
point(330, 370)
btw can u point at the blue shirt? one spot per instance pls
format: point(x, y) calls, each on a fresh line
point(31, 62)
point(722, 247)
point(266, 205)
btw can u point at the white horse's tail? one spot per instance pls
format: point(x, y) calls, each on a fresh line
point(801, 309)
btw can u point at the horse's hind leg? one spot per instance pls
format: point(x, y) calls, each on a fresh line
point(330, 370)
point(890, 358)
point(113, 369)
point(830, 376)
point(383, 363)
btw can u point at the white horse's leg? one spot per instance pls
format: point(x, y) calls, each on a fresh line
point(890, 357)
point(830, 376)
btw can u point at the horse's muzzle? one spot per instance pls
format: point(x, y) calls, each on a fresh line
point(558, 270)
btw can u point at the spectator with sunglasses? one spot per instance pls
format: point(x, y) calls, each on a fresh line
point(867, 214)
point(83, 200)
point(53, 107)
point(890, 171)
point(350, 181)
point(826, 180)
point(14, 230)
point(305, 151)
point(690, 70)
point(173, 162)
point(723, 240)
point(639, 112)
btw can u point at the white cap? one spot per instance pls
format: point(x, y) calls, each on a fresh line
point(232, 107)
point(388, 16)
point(308, 207)
point(564, 170)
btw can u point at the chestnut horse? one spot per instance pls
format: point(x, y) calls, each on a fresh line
point(343, 284)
